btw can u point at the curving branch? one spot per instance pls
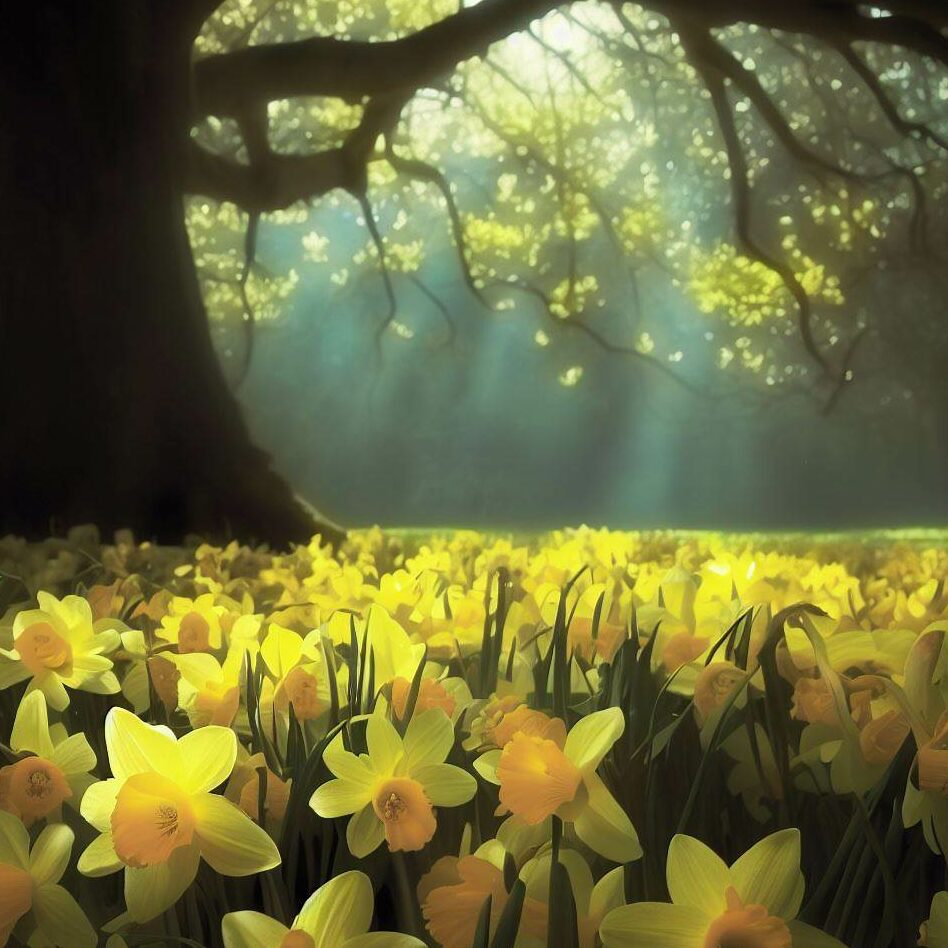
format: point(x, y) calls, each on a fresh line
point(601, 341)
point(741, 192)
point(423, 171)
point(439, 304)
point(888, 108)
point(273, 181)
point(226, 83)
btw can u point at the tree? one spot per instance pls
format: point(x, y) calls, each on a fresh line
point(579, 117)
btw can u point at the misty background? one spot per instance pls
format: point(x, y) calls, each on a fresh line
point(481, 432)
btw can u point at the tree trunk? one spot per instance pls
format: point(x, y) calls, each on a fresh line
point(114, 406)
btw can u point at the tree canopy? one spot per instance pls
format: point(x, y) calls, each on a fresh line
point(771, 161)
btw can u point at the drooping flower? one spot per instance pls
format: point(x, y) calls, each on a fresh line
point(453, 892)
point(393, 789)
point(59, 646)
point(30, 890)
point(337, 915)
point(713, 686)
point(243, 788)
point(593, 901)
point(753, 903)
point(540, 777)
point(157, 817)
point(56, 770)
point(431, 694)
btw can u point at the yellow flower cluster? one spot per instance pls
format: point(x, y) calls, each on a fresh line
point(480, 725)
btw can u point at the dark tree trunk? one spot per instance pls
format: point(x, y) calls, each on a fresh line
point(114, 407)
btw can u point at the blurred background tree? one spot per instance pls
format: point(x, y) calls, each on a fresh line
point(781, 166)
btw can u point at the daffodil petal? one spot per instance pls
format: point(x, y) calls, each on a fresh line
point(338, 910)
point(251, 930)
point(445, 784)
point(60, 919)
point(604, 826)
point(52, 689)
point(428, 738)
point(74, 755)
point(230, 841)
point(653, 925)
point(12, 671)
point(365, 832)
point(14, 841)
point(486, 765)
point(937, 920)
point(281, 650)
point(769, 874)
point(338, 798)
point(346, 765)
point(136, 747)
point(207, 758)
point(104, 683)
point(608, 893)
point(385, 746)
point(87, 666)
point(149, 891)
point(99, 857)
point(98, 802)
point(806, 936)
point(31, 726)
point(384, 940)
point(592, 737)
point(50, 855)
point(696, 875)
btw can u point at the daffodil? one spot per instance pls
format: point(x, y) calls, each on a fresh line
point(30, 890)
point(54, 769)
point(593, 901)
point(393, 789)
point(453, 892)
point(194, 625)
point(337, 915)
point(157, 817)
point(59, 646)
point(299, 674)
point(540, 777)
point(243, 788)
point(753, 903)
point(209, 692)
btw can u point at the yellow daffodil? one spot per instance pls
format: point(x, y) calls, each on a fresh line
point(157, 817)
point(393, 789)
point(208, 692)
point(337, 915)
point(393, 652)
point(298, 674)
point(194, 625)
point(59, 646)
point(753, 903)
point(30, 894)
point(502, 717)
point(55, 771)
point(540, 777)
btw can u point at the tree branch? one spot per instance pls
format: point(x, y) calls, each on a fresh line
point(273, 181)
point(225, 84)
